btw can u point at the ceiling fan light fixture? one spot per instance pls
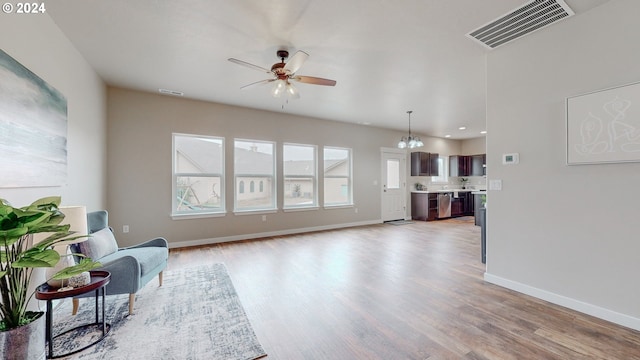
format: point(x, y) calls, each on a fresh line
point(278, 88)
point(410, 141)
point(292, 91)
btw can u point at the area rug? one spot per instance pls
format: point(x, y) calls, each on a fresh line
point(196, 314)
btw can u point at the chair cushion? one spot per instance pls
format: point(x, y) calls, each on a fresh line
point(99, 244)
point(149, 257)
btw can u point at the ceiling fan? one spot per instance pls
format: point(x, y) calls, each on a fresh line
point(283, 73)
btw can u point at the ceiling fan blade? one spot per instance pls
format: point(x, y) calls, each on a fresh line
point(314, 80)
point(249, 65)
point(258, 82)
point(296, 61)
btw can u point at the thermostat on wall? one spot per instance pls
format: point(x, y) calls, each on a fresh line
point(510, 159)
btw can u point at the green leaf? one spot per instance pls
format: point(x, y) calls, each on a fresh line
point(84, 265)
point(36, 258)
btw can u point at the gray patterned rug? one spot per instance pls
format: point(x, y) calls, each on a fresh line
point(196, 314)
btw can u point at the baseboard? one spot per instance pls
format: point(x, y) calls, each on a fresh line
point(224, 239)
point(589, 309)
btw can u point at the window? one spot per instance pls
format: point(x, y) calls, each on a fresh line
point(198, 174)
point(393, 174)
point(337, 177)
point(254, 161)
point(443, 170)
point(299, 168)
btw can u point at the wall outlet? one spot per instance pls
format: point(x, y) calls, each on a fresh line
point(125, 228)
point(264, 217)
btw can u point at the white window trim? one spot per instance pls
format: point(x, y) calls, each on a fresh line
point(175, 215)
point(349, 202)
point(445, 171)
point(314, 176)
point(274, 183)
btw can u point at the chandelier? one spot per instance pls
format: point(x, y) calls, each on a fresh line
point(410, 141)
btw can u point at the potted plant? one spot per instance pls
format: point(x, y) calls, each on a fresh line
point(18, 259)
point(464, 181)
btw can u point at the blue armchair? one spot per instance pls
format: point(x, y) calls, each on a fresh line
point(131, 268)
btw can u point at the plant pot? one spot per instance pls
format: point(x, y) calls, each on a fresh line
point(25, 342)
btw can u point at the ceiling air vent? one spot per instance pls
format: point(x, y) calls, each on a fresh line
point(532, 16)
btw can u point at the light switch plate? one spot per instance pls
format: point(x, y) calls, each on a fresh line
point(495, 184)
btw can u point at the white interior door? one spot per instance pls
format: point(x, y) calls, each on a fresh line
point(394, 188)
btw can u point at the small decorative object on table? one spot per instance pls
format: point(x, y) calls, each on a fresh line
point(80, 280)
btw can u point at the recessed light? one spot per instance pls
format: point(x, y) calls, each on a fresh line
point(462, 128)
point(483, 132)
point(447, 136)
point(171, 92)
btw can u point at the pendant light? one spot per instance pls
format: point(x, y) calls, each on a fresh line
point(410, 141)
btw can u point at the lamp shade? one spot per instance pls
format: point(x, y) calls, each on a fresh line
point(76, 217)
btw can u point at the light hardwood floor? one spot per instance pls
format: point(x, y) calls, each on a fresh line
point(397, 292)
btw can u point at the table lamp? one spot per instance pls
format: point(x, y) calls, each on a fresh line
point(76, 217)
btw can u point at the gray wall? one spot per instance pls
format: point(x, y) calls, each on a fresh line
point(37, 43)
point(139, 166)
point(567, 234)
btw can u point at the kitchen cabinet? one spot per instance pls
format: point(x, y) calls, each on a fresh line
point(467, 165)
point(424, 164)
point(424, 206)
point(462, 204)
point(457, 206)
point(459, 165)
point(479, 165)
point(469, 203)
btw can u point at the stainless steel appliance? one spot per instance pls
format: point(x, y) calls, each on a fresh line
point(444, 205)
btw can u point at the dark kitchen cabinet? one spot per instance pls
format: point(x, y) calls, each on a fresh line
point(462, 204)
point(460, 165)
point(467, 165)
point(424, 206)
point(457, 206)
point(479, 165)
point(424, 164)
point(469, 203)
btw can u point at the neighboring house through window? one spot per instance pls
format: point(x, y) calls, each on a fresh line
point(254, 161)
point(337, 177)
point(300, 181)
point(198, 174)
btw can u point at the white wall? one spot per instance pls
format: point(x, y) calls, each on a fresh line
point(567, 234)
point(37, 43)
point(473, 146)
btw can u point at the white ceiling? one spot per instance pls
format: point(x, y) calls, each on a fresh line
point(387, 56)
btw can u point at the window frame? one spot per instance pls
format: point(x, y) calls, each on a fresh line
point(349, 178)
point(221, 210)
point(258, 209)
point(443, 170)
point(314, 177)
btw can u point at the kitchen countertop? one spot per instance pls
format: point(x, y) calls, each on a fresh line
point(448, 191)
